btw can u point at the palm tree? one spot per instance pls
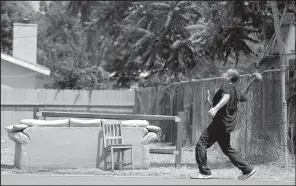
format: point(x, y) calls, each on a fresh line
point(84, 8)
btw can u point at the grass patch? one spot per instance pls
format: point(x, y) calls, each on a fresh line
point(162, 166)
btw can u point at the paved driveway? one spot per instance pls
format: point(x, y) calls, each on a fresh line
point(17, 179)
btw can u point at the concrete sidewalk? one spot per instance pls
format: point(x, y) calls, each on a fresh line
point(17, 179)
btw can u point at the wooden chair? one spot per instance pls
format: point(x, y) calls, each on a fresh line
point(113, 142)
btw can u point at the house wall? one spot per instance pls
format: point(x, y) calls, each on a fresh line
point(25, 42)
point(290, 42)
point(16, 76)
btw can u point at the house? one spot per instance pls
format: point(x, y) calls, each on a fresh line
point(21, 69)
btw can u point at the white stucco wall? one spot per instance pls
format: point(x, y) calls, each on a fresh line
point(18, 77)
point(290, 42)
point(25, 42)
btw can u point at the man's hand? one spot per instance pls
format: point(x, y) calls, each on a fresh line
point(209, 99)
point(212, 112)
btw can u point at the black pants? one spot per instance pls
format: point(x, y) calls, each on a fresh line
point(215, 133)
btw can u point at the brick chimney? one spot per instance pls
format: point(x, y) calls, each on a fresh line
point(25, 41)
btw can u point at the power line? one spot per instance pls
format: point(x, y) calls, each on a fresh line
point(18, 29)
point(29, 3)
point(28, 75)
point(24, 37)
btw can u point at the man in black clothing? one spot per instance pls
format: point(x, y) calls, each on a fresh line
point(224, 113)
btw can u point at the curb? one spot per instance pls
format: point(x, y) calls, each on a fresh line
point(154, 177)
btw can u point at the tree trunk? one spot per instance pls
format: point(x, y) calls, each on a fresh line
point(280, 44)
point(91, 47)
point(90, 34)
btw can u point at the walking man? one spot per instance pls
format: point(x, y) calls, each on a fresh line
point(224, 113)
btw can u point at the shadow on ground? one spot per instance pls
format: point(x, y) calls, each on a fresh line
point(216, 165)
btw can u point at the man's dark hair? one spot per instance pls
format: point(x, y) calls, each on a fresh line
point(234, 75)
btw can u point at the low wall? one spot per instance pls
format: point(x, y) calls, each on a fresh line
point(73, 147)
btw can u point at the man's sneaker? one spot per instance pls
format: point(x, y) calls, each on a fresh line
point(246, 176)
point(201, 176)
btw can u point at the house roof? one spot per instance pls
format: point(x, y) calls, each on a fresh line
point(32, 66)
point(5, 87)
point(272, 49)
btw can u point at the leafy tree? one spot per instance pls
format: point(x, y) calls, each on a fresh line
point(13, 12)
point(85, 8)
point(6, 30)
point(168, 40)
point(112, 51)
point(157, 31)
point(62, 47)
point(43, 6)
point(75, 71)
point(181, 37)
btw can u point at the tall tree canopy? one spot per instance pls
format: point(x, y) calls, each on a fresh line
point(12, 12)
point(165, 39)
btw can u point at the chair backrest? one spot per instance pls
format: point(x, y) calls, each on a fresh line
point(112, 132)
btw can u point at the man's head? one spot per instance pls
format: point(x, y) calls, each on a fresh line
point(231, 75)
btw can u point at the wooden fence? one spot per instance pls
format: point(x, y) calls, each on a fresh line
point(17, 104)
point(258, 120)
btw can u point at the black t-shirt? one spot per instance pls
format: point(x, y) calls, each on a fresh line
point(227, 114)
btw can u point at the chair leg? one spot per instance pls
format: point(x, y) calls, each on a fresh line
point(105, 160)
point(112, 160)
point(132, 158)
point(122, 159)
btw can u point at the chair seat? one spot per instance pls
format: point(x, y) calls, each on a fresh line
point(119, 147)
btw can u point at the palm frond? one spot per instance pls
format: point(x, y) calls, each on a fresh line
point(133, 14)
point(250, 30)
point(140, 21)
point(185, 17)
point(181, 59)
point(195, 28)
point(183, 3)
point(147, 53)
point(176, 44)
point(246, 49)
point(194, 36)
point(160, 6)
point(168, 19)
point(137, 30)
point(142, 41)
point(142, 3)
point(193, 50)
point(149, 25)
point(227, 38)
point(250, 39)
point(192, 9)
point(74, 7)
point(197, 40)
point(151, 60)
